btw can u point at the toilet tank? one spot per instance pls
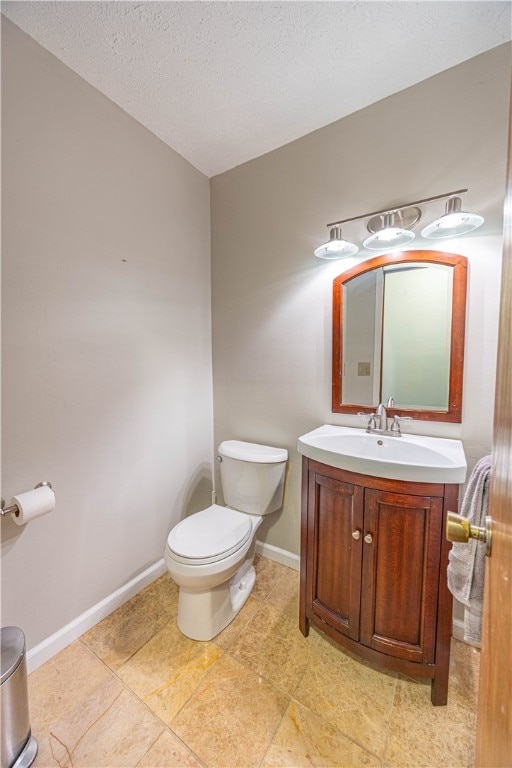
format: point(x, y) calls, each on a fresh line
point(252, 476)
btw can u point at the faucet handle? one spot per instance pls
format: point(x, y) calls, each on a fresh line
point(372, 424)
point(395, 424)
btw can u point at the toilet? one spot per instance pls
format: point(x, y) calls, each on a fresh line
point(210, 554)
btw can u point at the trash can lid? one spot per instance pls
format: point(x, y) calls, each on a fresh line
point(13, 648)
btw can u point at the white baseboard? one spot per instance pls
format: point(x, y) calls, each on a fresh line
point(66, 635)
point(458, 629)
point(458, 632)
point(279, 555)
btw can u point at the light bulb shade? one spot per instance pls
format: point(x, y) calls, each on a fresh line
point(454, 222)
point(336, 247)
point(390, 236)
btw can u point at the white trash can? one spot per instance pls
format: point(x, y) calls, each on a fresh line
point(18, 748)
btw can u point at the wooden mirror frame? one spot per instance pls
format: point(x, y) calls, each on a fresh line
point(459, 264)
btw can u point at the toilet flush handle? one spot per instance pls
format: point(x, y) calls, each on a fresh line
point(219, 459)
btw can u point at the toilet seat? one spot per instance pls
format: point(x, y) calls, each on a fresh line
point(210, 535)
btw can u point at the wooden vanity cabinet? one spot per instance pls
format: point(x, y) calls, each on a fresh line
point(373, 569)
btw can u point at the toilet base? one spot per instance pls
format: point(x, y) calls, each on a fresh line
point(202, 614)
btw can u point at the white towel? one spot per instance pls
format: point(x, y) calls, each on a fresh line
point(466, 567)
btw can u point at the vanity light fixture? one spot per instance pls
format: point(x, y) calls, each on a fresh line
point(454, 222)
point(392, 227)
point(336, 247)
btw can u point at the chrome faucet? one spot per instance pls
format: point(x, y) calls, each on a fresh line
point(381, 417)
point(378, 421)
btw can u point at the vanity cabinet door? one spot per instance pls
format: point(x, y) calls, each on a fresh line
point(400, 577)
point(335, 523)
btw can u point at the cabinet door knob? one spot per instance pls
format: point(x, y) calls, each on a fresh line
point(368, 538)
point(356, 535)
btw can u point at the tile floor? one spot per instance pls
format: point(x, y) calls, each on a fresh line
point(133, 691)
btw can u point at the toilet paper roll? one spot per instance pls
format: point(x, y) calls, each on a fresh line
point(33, 504)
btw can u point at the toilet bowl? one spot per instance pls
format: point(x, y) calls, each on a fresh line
point(210, 554)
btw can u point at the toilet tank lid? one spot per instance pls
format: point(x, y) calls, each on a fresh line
point(259, 454)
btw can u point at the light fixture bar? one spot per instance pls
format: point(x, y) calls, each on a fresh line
point(399, 207)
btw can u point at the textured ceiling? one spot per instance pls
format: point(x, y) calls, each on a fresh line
point(224, 82)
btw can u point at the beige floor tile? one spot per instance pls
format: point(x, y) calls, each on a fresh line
point(285, 595)
point(118, 734)
point(268, 575)
point(464, 672)
point(168, 752)
point(272, 645)
point(350, 694)
point(304, 740)
point(120, 635)
point(228, 635)
point(45, 757)
point(61, 683)
point(463, 679)
point(65, 734)
point(232, 716)
point(423, 735)
point(166, 670)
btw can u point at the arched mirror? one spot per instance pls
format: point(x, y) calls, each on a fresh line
point(398, 332)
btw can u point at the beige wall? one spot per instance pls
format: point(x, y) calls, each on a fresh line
point(106, 339)
point(272, 298)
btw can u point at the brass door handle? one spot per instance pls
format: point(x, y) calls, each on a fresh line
point(458, 528)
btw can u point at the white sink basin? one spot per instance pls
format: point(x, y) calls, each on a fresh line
point(410, 457)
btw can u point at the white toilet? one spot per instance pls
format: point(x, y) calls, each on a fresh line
point(210, 554)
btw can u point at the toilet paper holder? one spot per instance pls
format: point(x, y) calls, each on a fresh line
point(12, 509)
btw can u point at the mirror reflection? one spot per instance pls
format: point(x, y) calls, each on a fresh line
point(398, 333)
point(396, 336)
